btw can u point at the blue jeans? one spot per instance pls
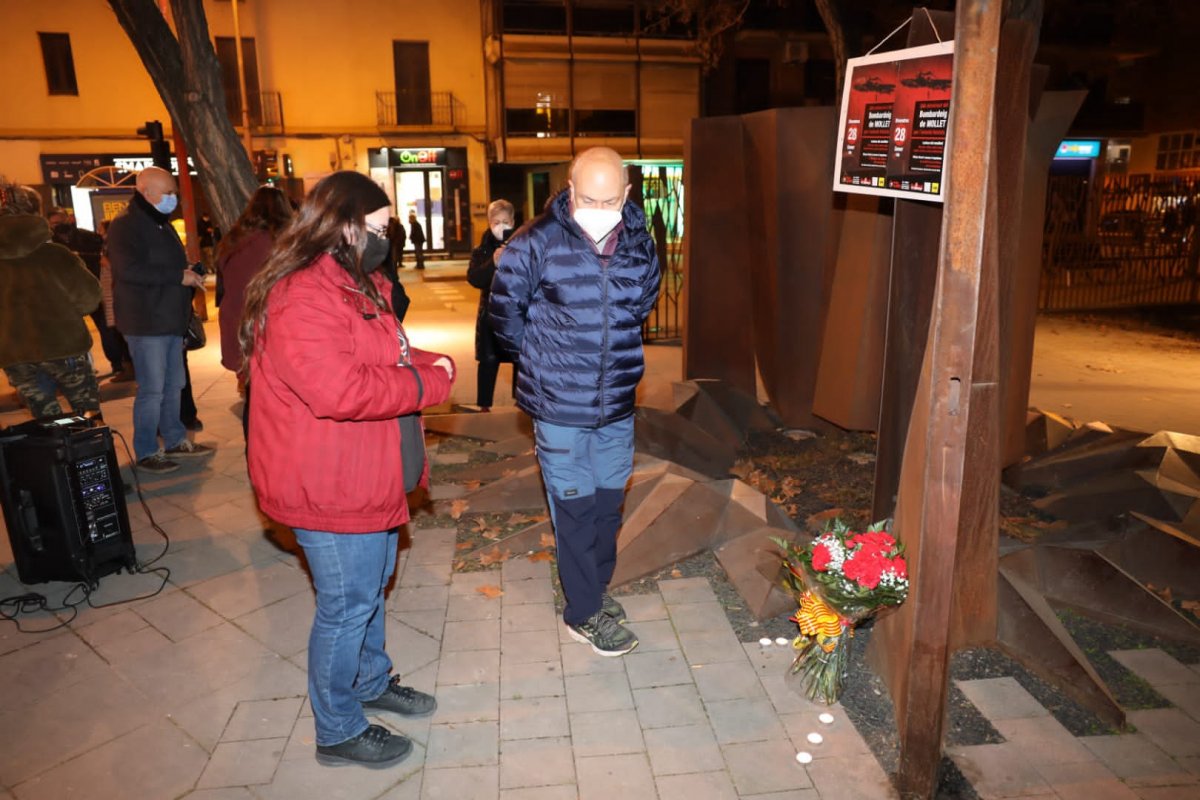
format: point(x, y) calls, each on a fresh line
point(585, 471)
point(158, 364)
point(347, 664)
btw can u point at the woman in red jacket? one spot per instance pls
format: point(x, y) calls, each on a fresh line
point(332, 371)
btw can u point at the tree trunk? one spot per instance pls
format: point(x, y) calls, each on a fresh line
point(187, 75)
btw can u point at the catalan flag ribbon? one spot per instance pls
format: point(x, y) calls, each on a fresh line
point(818, 621)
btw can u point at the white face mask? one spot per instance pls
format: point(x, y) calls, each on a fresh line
point(499, 229)
point(597, 222)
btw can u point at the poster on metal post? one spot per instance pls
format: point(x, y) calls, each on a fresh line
point(894, 123)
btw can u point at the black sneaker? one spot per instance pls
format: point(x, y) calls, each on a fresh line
point(158, 464)
point(374, 748)
point(612, 608)
point(606, 636)
point(402, 700)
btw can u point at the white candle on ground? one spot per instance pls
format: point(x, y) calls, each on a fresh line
point(803, 757)
point(815, 738)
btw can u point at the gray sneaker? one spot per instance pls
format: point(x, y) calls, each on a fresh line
point(188, 449)
point(374, 748)
point(612, 608)
point(606, 636)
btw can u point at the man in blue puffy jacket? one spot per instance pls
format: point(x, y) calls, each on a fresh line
point(570, 295)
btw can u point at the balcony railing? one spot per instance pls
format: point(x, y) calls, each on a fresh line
point(266, 112)
point(444, 112)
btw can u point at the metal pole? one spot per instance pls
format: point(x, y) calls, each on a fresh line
point(241, 66)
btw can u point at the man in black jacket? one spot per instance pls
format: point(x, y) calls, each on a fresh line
point(152, 300)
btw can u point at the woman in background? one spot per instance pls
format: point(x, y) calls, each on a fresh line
point(242, 253)
point(480, 272)
point(333, 371)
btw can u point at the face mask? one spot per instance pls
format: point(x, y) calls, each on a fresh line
point(375, 252)
point(167, 204)
point(597, 222)
point(499, 230)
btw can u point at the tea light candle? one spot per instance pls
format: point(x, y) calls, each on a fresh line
point(782, 640)
point(827, 718)
point(765, 641)
point(815, 738)
point(803, 757)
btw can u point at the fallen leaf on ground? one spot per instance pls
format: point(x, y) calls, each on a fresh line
point(481, 524)
point(541, 555)
point(489, 591)
point(519, 519)
point(789, 488)
point(547, 540)
point(457, 508)
point(493, 556)
point(459, 565)
point(819, 519)
point(492, 534)
point(463, 546)
point(471, 486)
point(676, 573)
point(1191, 605)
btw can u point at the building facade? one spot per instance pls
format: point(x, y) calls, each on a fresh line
point(395, 90)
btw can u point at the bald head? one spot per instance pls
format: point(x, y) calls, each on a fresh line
point(154, 182)
point(598, 179)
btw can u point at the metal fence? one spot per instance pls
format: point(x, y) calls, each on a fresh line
point(1127, 241)
point(445, 111)
point(662, 200)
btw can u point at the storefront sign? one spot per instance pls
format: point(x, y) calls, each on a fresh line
point(894, 123)
point(69, 168)
point(1078, 148)
point(424, 157)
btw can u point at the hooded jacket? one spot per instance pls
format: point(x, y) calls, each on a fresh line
point(148, 260)
point(574, 317)
point(45, 291)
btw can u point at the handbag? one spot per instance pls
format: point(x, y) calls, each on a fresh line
point(412, 450)
point(195, 338)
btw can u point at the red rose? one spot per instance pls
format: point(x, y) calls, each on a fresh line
point(820, 558)
point(901, 567)
point(865, 568)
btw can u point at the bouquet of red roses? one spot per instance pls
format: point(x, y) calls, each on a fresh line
point(839, 579)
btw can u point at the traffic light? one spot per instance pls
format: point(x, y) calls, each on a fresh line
point(160, 149)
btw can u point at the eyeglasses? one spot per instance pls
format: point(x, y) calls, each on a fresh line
point(378, 230)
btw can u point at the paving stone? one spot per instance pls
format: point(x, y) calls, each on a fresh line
point(536, 591)
point(852, 779)
point(728, 681)
point(534, 718)
point(668, 706)
point(226, 793)
point(529, 646)
point(994, 770)
point(468, 583)
point(420, 598)
point(157, 758)
point(472, 635)
point(540, 793)
point(284, 627)
point(469, 666)
point(677, 591)
point(533, 679)
point(409, 648)
point(605, 733)
point(407, 789)
point(1001, 698)
point(787, 698)
point(751, 720)
point(1155, 667)
point(466, 744)
point(696, 786)
point(416, 575)
point(470, 607)
point(643, 607)
point(699, 617)
point(654, 635)
point(1184, 696)
point(250, 588)
point(479, 702)
point(711, 647)
point(1167, 793)
point(522, 569)
point(606, 777)
point(446, 491)
point(795, 794)
point(579, 659)
point(536, 762)
point(263, 719)
point(842, 740)
point(605, 692)
point(762, 767)
point(530, 617)
point(1043, 741)
point(429, 622)
point(662, 668)
point(474, 783)
point(118, 626)
point(450, 458)
point(242, 763)
point(690, 748)
point(1086, 781)
point(1170, 729)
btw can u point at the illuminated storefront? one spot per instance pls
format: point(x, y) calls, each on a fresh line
point(432, 183)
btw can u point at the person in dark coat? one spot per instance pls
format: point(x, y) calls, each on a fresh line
point(397, 238)
point(152, 301)
point(482, 268)
point(569, 298)
point(391, 268)
point(417, 237)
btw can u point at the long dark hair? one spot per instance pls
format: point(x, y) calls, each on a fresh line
point(268, 210)
point(339, 200)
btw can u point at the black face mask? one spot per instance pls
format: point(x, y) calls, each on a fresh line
point(376, 251)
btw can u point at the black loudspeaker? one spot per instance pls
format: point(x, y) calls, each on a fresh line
point(64, 501)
